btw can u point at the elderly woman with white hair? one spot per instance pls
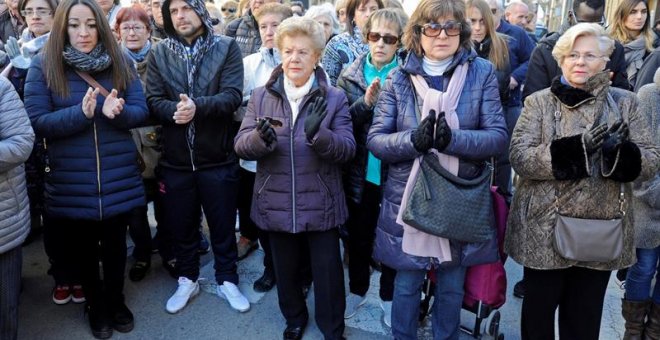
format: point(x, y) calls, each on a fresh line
point(325, 15)
point(577, 148)
point(298, 129)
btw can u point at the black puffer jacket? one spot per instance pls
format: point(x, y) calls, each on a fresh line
point(543, 67)
point(354, 84)
point(246, 33)
point(503, 76)
point(217, 86)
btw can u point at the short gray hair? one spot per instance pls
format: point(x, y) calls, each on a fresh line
point(565, 44)
point(301, 26)
point(325, 9)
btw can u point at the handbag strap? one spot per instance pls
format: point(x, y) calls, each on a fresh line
point(93, 83)
point(611, 105)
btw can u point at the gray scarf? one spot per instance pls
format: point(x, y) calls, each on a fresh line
point(95, 61)
point(634, 53)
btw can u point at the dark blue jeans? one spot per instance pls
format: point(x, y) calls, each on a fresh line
point(10, 289)
point(640, 275)
point(185, 193)
point(447, 303)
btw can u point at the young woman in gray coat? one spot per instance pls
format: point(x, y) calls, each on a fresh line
point(16, 138)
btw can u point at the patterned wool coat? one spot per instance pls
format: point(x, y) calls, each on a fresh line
point(587, 187)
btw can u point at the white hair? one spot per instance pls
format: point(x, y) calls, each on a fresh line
point(325, 9)
point(565, 44)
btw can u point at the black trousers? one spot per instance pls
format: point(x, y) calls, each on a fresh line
point(577, 292)
point(184, 194)
point(10, 289)
point(361, 225)
point(83, 243)
point(61, 268)
point(327, 272)
point(248, 228)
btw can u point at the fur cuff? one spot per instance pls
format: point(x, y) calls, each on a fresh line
point(623, 165)
point(569, 158)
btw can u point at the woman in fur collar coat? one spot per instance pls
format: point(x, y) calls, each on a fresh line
point(577, 144)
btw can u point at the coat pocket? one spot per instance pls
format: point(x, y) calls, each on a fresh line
point(260, 195)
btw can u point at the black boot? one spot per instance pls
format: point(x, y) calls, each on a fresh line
point(122, 318)
point(99, 322)
point(265, 283)
point(634, 312)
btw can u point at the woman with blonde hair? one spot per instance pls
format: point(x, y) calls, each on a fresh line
point(577, 148)
point(298, 129)
point(631, 26)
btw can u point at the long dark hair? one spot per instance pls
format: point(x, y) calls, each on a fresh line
point(351, 7)
point(53, 61)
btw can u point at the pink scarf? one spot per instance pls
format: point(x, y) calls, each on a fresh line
point(416, 242)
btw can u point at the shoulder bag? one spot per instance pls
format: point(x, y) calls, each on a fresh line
point(589, 240)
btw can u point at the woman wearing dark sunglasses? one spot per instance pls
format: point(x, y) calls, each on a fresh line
point(468, 130)
point(362, 82)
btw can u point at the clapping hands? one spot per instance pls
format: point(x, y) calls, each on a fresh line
point(185, 110)
point(113, 105)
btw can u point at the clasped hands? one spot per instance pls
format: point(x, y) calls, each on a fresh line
point(423, 138)
point(112, 106)
point(608, 139)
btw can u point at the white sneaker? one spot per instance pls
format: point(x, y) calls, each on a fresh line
point(353, 302)
point(386, 306)
point(236, 299)
point(187, 290)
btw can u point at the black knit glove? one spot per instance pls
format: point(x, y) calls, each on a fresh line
point(442, 132)
point(616, 135)
point(317, 113)
point(266, 131)
point(422, 138)
point(593, 139)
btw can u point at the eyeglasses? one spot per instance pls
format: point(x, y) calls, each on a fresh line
point(40, 12)
point(588, 57)
point(388, 39)
point(230, 10)
point(137, 29)
point(433, 30)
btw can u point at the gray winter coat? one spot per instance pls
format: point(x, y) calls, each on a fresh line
point(16, 140)
point(646, 196)
point(298, 185)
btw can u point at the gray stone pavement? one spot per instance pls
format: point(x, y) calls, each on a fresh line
point(209, 317)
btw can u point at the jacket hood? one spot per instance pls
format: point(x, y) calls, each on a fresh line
point(199, 8)
point(596, 86)
point(413, 63)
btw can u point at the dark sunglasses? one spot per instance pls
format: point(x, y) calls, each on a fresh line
point(433, 30)
point(388, 39)
point(230, 10)
point(274, 122)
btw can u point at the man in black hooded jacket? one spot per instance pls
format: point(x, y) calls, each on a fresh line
point(194, 84)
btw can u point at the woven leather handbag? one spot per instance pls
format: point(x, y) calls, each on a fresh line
point(448, 206)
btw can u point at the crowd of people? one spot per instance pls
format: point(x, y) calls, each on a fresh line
point(319, 127)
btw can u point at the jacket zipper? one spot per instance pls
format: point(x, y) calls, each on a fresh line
point(98, 170)
point(190, 148)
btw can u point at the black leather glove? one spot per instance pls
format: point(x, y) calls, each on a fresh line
point(442, 132)
point(593, 138)
point(616, 135)
point(266, 131)
point(317, 113)
point(422, 138)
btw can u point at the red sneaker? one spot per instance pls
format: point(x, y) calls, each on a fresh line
point(61, 295)
point(77, 294)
